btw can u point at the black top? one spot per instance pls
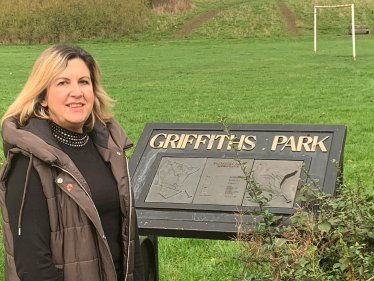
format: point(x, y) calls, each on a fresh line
point(32, 253)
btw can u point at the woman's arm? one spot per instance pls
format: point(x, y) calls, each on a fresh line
point(32, 253)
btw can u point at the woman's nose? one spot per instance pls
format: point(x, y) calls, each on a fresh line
point(75, 90)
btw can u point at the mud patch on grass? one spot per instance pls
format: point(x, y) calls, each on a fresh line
point(195, 23)
point(289, 16)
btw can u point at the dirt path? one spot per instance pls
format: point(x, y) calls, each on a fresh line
point(195, 23)
point(200, 19)
point(289, 16)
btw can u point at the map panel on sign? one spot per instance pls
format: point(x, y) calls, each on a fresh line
point(215, 181)
point(279, 178)
point(220, 183)
point(176, 180)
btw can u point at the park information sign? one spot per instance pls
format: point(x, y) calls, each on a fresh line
point(186, 180)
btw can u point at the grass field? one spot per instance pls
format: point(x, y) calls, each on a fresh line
point(271, 80)
point(255, 19)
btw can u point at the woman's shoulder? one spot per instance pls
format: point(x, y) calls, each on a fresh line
point(19, 171)
point(19, 165)
point(118, 134)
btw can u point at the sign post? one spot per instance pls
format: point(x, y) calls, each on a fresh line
point(186, 180)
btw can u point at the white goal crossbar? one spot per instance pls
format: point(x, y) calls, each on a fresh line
point(353, 25)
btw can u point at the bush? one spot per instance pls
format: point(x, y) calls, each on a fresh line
point(25, 21)
point(335, 243)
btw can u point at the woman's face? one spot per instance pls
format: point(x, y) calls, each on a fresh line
point(70, 97)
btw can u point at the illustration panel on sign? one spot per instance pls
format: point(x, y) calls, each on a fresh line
point(176, 180)
point(279, 178)
point(220, 183)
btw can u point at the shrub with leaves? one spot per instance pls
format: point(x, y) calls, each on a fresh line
point(330, 237)
point(25, 21)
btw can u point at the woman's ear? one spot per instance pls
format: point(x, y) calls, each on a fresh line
point(43, 96)
point(44, 103)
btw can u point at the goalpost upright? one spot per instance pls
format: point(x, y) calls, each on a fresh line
point(353, 25)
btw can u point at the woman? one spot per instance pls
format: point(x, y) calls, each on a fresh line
point(68, 210)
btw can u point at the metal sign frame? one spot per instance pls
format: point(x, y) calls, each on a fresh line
point(219, 221)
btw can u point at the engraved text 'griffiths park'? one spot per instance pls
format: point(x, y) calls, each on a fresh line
point(243, 142)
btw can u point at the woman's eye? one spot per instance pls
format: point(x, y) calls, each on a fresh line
point(84, 82)
point(62, 83)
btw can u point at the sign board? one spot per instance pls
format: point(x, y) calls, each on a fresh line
point(186, 179)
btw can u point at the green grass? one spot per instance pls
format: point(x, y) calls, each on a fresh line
point(249, 19)
point(330, 20)
point(269, 80)
point(255, 18)
point(196, 259)
point(31, 21)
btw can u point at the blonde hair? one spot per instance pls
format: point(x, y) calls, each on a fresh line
point(46, 68)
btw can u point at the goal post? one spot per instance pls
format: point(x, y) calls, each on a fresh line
point(353, 25)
